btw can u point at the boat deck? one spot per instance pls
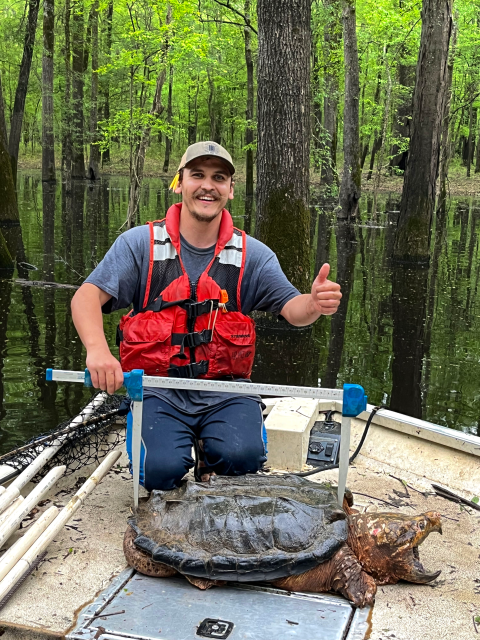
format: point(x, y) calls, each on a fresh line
point(84, 558)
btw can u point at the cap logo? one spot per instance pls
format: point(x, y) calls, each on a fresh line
point(211, 148)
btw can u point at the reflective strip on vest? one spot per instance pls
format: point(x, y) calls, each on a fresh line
point(165, 250)
point(232, 252)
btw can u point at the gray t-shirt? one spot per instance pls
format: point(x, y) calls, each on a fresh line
point(123, 274)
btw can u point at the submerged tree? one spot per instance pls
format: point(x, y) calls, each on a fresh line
point(412, 241)
point(283, 216)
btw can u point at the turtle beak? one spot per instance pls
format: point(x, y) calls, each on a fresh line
point(418, 574)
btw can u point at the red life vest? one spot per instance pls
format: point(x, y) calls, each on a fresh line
point(183, 329)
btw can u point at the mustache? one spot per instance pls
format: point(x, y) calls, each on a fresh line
point(202, 192)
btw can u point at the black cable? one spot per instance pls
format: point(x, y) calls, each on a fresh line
point(304, 474)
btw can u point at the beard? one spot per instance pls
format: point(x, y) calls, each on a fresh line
point(200, 216)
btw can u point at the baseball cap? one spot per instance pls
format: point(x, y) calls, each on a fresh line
point(200, 149)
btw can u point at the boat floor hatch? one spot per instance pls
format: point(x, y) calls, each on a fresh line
point(142, 608)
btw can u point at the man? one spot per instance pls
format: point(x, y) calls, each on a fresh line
point(192, 279)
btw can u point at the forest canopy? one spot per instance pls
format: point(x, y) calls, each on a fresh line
point(204, 93)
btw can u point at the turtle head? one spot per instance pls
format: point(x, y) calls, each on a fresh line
point(386, 544)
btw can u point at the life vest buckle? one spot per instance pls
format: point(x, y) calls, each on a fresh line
point(192, 370)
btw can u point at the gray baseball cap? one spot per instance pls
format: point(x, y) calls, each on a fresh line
point(208, 148)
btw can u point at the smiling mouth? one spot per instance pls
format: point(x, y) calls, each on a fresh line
point(206, 198)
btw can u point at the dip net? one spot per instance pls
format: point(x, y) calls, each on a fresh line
point(84, 440)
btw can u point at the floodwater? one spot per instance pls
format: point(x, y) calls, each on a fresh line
point(409, 336)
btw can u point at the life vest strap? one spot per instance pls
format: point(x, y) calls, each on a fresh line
point(192, 370)
point(191, 340)
point(193, 309)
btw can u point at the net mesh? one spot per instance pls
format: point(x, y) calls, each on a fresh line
point(84, 441)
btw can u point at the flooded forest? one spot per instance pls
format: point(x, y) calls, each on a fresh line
point(355, 131)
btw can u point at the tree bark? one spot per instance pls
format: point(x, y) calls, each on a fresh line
point(48, 140)
point(168, 141)
point(106, 102)
point(446, 148)
point(249, 115)
point(283, 158)
point(412, 241)
point(332, 37)
point(350, 189)
point(78, 55)
point(21, 93)
point(94, 162)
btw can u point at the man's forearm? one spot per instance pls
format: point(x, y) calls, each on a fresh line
point(300, 311)
point(87, 316)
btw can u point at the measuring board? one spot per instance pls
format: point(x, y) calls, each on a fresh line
point(352, 396)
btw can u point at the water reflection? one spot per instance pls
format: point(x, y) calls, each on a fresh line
point(409, 336)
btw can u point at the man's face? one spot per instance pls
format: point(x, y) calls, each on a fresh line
point(206, 187)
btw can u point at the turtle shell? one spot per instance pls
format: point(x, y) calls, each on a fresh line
point(247, 528)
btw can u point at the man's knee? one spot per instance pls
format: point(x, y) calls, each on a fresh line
point(164, 474)
point(230, 459)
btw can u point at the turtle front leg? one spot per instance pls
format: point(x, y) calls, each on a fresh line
point(342, 573)
point(141, 561)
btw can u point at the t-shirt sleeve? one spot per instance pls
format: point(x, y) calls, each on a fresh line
point(120, 271)
point(264, 286)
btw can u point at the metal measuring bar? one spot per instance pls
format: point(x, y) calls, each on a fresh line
point(352, 396)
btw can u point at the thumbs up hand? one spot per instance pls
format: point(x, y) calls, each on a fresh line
point(326, 295)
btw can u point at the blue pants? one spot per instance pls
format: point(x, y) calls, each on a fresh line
point(232, 436)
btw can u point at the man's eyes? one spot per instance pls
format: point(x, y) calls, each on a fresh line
point(218, 177)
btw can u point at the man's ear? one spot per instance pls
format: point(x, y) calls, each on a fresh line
point(230, 195)
point(178, 188)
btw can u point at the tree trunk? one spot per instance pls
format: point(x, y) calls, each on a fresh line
point(412, 241)
point(8, 198)
point(249, 114)
point(283, 158)
point(78, 54)
point(332, 38)
point(477, 161)
point(446, 146)
point(94, 162)
point(106, 103)
point(350, 189)
point(168, 141)
point(192, 126)
point(21, 93)
point(469, 139)
point(401, 129)
point(3, 121)
point(139, 159)
point(67, 107)
point(48, 140)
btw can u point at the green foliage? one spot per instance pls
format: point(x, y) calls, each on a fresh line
point(204, 43)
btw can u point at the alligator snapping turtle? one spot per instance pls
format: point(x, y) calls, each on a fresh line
point(284, 530)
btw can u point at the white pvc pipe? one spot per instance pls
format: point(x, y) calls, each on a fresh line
point(52, 530)
point(40, 461)
point(33, 498)
point(10, 509)
point(17, 550)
